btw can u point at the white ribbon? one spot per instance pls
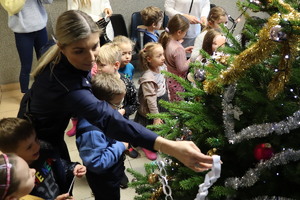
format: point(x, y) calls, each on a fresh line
point(210, 178)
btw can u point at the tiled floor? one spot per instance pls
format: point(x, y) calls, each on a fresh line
point(10, 97)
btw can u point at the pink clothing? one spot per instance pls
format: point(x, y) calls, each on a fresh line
point(177, 64)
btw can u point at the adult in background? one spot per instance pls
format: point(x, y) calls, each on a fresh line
point(196, 11)
point(29, 27)
point(100, 11)
point(62, 89)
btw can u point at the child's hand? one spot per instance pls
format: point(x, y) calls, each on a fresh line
point(126, 145)
point(122, 111)
point(158, 121)
point(189, 49)
point(64, 196)
point(79, 171)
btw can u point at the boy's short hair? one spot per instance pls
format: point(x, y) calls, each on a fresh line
point(12, 131)
point(109, 53)
point(151, 15)
point(105, 86)
point(120, 39)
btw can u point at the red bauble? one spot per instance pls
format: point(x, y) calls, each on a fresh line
point(263, 151)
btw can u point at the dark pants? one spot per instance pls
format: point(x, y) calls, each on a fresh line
point(25, 42)
point(106, 186)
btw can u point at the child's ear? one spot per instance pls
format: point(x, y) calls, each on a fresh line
point(148, 59)
point(117, 65)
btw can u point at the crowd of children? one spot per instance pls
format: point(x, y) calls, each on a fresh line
point(111, 82)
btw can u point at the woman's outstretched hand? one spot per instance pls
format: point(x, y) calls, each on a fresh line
point(186, 152)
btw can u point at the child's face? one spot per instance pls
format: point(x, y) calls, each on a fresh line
point(108, 68)
point(221, 20)
point(117, 101)
point(158, 25)
point(126, 49)
point(218, 41)
point(157, 58)
point(29, 149)
point(181, 34)
point(26, 177)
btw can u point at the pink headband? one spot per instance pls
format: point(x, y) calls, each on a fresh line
point(6, 166)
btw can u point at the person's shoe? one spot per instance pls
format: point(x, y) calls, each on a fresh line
point(149, 154)
point(71, 132)
point(132, 153)
point(124, 182)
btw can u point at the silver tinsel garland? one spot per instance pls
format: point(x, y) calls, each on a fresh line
point(256, 130)
point(252, 175)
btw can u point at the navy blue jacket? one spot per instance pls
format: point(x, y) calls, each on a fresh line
point(60, 92)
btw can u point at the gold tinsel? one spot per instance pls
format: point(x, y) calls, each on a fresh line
point(157, 193)
point(260, 51)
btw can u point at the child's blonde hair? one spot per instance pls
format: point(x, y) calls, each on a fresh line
point(151, 15)
point(121, 39)
point(106, 86)
point(176, 23)
point(109, 54)
point(147, 52)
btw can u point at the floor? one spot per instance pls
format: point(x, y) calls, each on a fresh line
point(10, 97)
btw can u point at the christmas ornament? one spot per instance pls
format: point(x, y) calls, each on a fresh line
point(276, 34)
point(263, 151)
point(212, 152)
point(200, 75)
point(153, 178)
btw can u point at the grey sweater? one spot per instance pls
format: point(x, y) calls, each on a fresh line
point(32, 17)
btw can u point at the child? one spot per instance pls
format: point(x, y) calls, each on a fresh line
point(17, 179)
point(152, 20)
point(152, 87)
point(175, 53)
point(212, 41)
point(53, 175)
point(109, 61)
point(217, 15)
point(125, 44)
point(103, 156)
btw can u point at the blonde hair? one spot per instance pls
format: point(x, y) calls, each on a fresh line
point(109, 54)
point(71, 26)
point(215, 14)
point(176, 23)
point(147, 52)
point(105, 86)
point(121, 39)
point(151, 15)
point(83, 3)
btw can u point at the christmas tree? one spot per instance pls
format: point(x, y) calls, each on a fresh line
point(242, 104)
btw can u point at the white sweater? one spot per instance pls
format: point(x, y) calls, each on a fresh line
point(200, 9)
point(95, 11)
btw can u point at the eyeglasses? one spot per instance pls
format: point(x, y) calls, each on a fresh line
point(117, 106)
